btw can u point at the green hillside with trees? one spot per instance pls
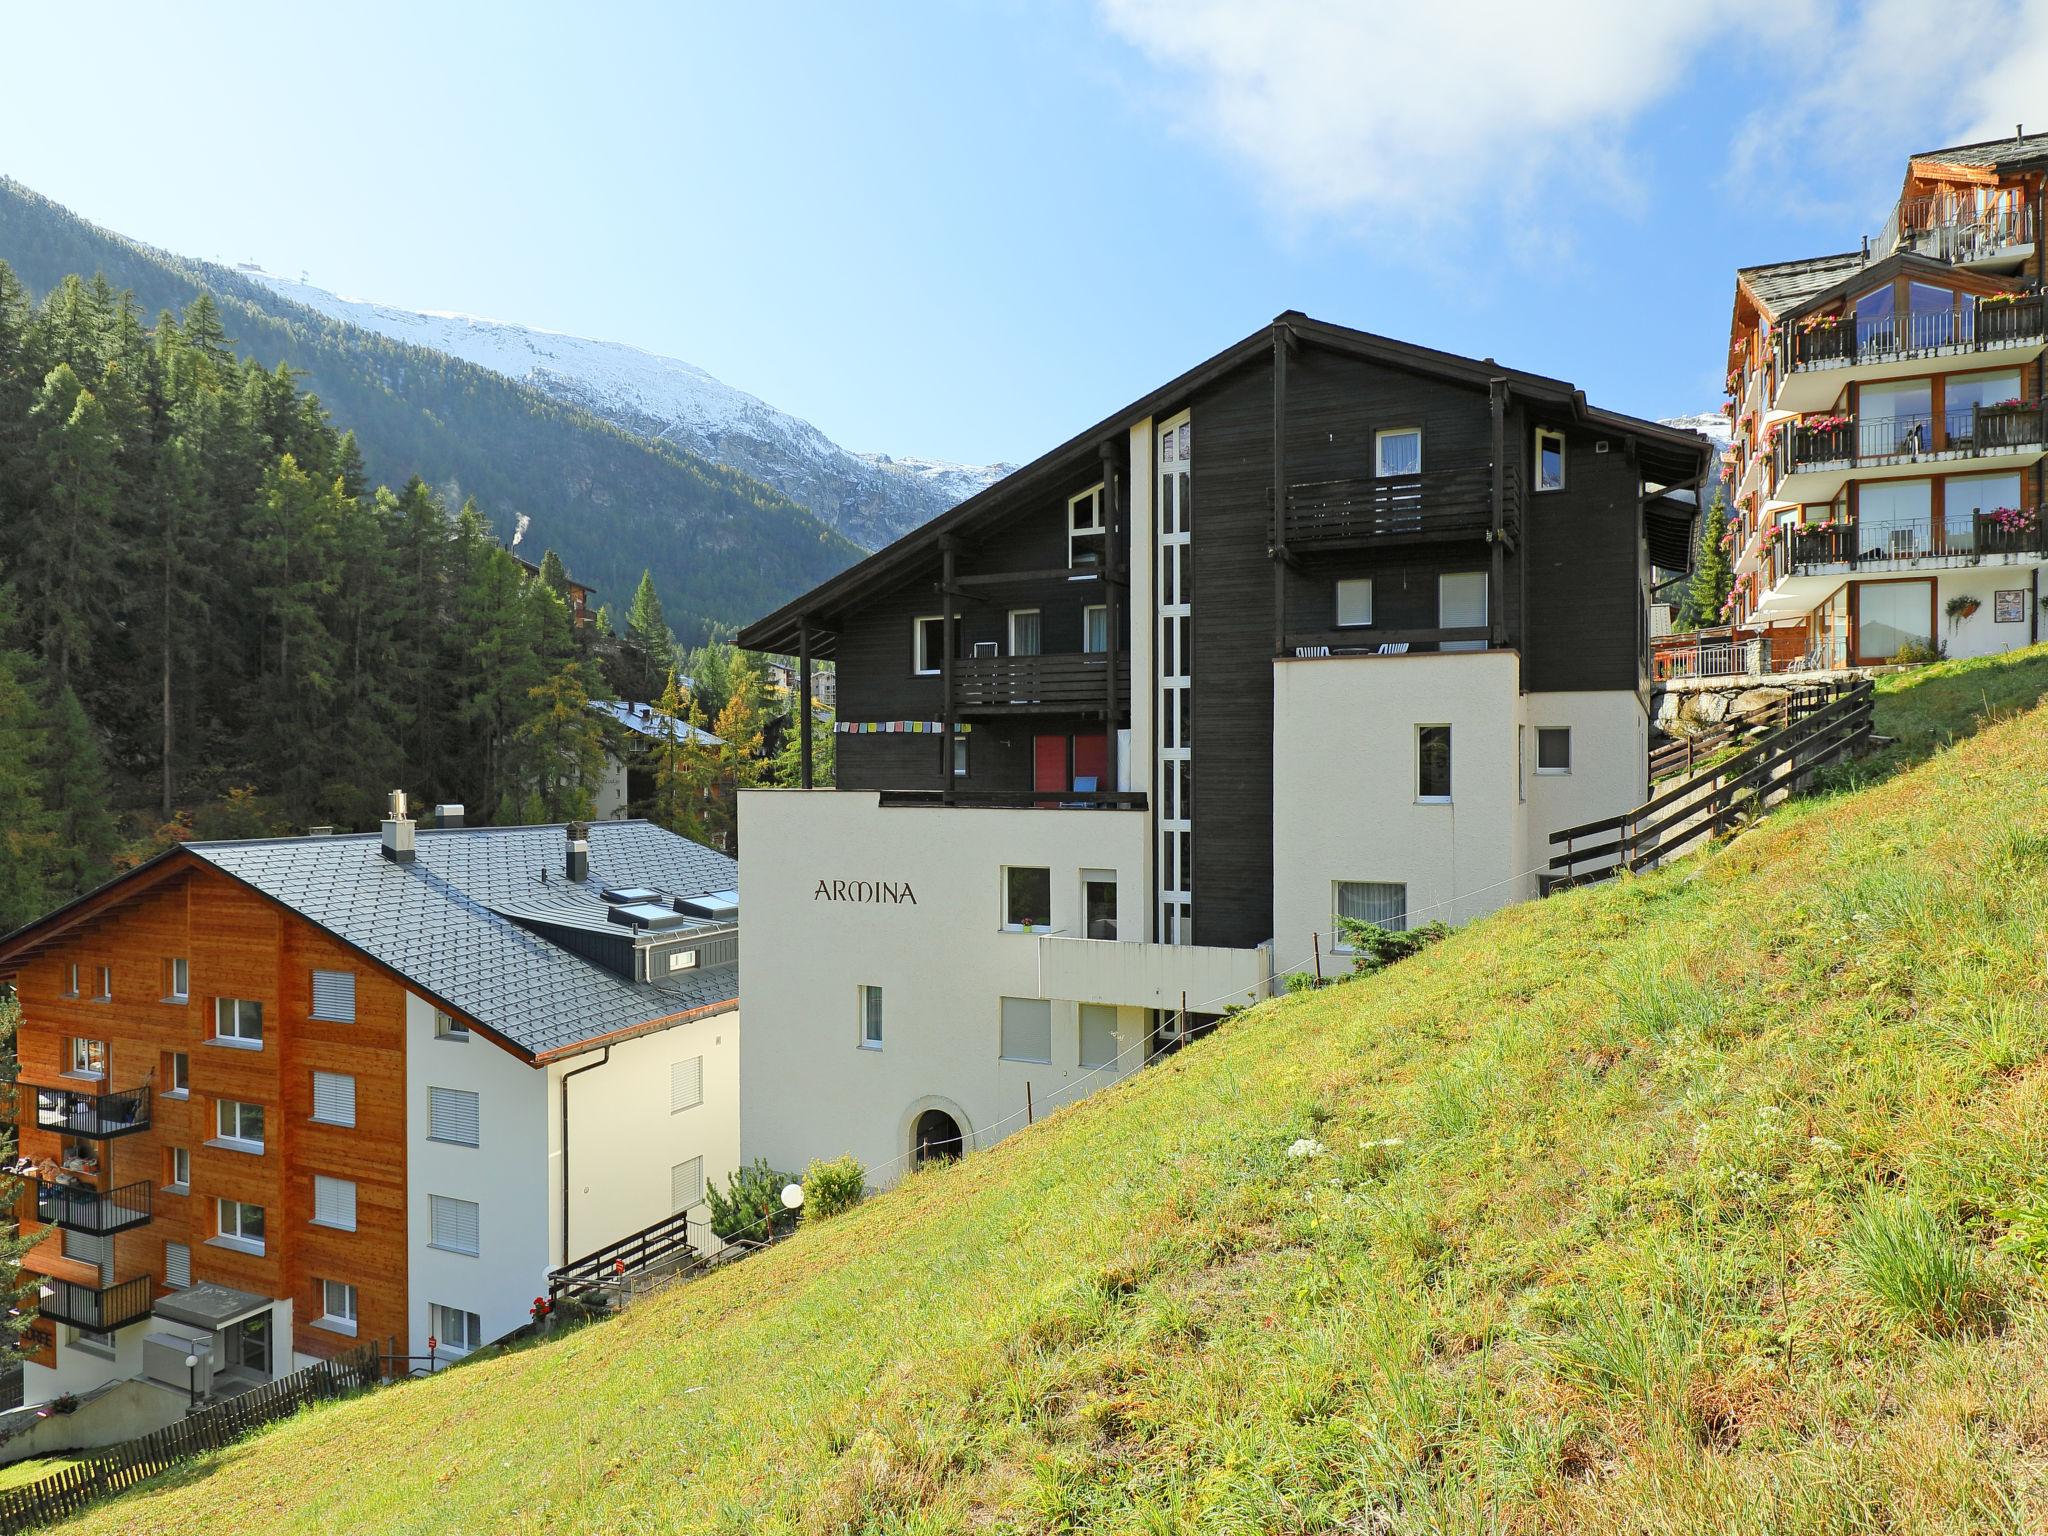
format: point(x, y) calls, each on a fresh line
point(213, 623)
point(1712, 1200)
point(722, 547)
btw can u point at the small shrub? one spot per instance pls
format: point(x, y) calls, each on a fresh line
point(1301, 981)
point(752, 1205)
point(1918, 653)
point(1918, 1268)
point(1374, 947)
point(834, 1186)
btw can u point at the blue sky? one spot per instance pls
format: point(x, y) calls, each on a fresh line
point(968, 230)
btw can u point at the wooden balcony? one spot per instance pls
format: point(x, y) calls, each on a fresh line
point(1436, 505)
point(81, 1208)
point(100, 1308)
point(1074, 683)
point(91, 1116)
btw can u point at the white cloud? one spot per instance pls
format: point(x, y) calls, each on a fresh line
point(1865, 85)
point(1407, 121)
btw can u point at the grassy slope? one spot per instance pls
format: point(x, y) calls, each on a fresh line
point(1575, 1259)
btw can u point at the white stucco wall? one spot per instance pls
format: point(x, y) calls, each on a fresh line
point(1609, 770)
point(505, 1174)
point(807, 1087)
point(1981, 634)
point(80, 1370)
point(624, 1138)
point(609, 801)
point(1345, 805)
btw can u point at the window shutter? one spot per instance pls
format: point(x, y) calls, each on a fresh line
point(452, 1224)
point(685, 1085)
point(1027, 1029)
point(177, 1266)
point(686, 1184)
point(452, 1116)
point(1098, 1035)
point(334, 1098)
point(334, 1202)
point(334, 996)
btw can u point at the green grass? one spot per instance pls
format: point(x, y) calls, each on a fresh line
point(21, 1473)
point(1710, 1201)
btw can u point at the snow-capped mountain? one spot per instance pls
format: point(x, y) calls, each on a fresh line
point(1712, 425)
point(870, 497)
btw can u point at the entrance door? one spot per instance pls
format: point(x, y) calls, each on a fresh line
point(248, 1345)
point(936, 1139)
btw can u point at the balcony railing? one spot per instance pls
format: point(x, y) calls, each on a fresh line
point(1443, 503)
point(1956, 228)
point(1967, 537)
point(1017, 799)
point(1070, 683)
point(101, 1310)
point(95, 1116)
point(1841, 341)
point(81, 1208)
point(1970, 431)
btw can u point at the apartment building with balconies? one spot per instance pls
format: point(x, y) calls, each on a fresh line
point(1328, 626)
point(1890, 433)
point(278, 1095)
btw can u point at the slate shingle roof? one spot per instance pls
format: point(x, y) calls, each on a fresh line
point(1992, 152)
point(1779, 285)
point(432, 921)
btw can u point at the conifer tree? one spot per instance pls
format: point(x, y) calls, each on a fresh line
point(650, 648)
point(740, 727)
point(555, 574)
point(75, 797)
point(27, 839)
point(66, 563)
point(1713, 575)
point(789, 768)
point(681, 764)
point(557, 752)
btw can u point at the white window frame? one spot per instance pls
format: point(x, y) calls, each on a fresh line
point(1485, 609)
point(447, 1028)
point(471, 1324)
point(1553, 730)
point(680, 1091)
point(1451, 745)
point(1010, 630)
point(1543, 435)
point(78, 1063)
point(922, 665)
point(236, 1236)
point(689, 1170)
point(1353, 582)
point(342, 1322)
point(864, 1015)
point(171, 1247)
point(235, 1140)
point(959, 753)
point(181, 1171)
point(1337, 944)
point(1379, 452)
point(232, 1030)
point(1010, 925)
point(177, 979)
point(105, 977)
point(1096, 528)
point(1108, 877)
point(1088, 614)
point(71, 981)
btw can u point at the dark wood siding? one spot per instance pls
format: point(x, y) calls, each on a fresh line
point(1588, 571)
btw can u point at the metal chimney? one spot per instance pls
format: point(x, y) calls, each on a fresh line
point(398, 829)
point(578, 868)
point(448, 815)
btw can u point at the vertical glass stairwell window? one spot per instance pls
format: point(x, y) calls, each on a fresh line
point(870, 1018)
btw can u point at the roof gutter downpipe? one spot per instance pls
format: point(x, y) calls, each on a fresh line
point(576, 1071)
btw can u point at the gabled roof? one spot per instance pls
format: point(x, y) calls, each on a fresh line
point(1910, 263)
point(433, 924)
point(641, 718)
point(2011, 152)
point(1778, 285)
point(778, 631)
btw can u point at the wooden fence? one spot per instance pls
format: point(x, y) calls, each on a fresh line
point(1710, 802)
point(121, 1467)
point(1682, 754)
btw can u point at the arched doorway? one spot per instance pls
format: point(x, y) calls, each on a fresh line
point(935, 1138)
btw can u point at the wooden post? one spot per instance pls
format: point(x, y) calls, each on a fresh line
point(803, 703)
point(1184, 1015)
point(947, 642)
point(1030, 1114)
point(1317, 939)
